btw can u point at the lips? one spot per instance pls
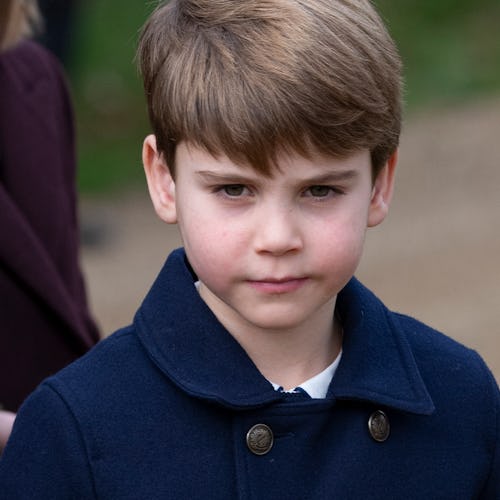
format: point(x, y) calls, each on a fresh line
point(278, 285)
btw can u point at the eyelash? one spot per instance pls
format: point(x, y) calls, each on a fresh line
point(332, 191)
point(222, 190)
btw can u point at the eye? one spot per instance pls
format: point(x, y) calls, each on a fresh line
point(233, 190)
point(320, 191)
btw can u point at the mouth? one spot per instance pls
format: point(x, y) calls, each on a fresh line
point(278, 285)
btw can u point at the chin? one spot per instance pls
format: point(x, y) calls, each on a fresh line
point(275, 323)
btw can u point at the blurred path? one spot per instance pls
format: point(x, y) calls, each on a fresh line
point(435, 257)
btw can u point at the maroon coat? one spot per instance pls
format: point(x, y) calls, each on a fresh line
point(44, 319)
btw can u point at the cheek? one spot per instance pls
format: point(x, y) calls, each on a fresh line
point(210, 236)
point(212, 246)
point(340, 245)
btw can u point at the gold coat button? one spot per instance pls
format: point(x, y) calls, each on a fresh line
point(260, 439)
point(378, 425)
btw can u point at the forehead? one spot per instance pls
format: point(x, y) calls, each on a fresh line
point(286, 164)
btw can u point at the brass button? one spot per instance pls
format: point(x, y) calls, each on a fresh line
point(378, 425)
point(260, 439)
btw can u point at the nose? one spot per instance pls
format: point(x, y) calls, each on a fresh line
point(278, 232)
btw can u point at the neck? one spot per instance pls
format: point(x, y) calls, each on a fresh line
point(289, 357)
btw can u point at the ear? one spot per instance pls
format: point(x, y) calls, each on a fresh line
point(382, 192)
point(161, 185)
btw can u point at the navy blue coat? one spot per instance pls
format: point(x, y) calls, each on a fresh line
point(44, 319)
point(161, 409)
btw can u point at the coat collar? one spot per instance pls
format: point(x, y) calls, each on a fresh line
point(186, 341)
point(377, 362)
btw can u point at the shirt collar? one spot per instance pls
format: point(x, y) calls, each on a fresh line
point(185, 340)
point(317, 387)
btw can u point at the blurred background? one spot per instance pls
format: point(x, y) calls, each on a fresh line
point(436, 257)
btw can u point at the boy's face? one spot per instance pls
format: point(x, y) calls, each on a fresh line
point(270, 253)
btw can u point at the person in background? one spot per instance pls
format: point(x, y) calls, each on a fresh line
point(45, 322)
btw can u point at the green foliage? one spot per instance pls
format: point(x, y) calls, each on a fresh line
point(450, 48)
point(451, 51)
point(109, 103)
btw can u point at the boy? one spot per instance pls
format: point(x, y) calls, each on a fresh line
point(257, 366)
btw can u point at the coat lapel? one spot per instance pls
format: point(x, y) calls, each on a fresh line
point(377, 363)
point(25, 256)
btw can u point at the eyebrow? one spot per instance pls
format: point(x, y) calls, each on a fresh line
point(333, 177)
point(235, 178)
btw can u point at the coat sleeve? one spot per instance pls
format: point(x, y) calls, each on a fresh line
point(46, 456)
point(492, 487)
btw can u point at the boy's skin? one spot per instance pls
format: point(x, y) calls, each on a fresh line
point(271, 253)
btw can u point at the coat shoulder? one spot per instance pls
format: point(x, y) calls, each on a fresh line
point(448, 365)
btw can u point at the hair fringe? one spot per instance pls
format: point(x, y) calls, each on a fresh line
point(252, 78)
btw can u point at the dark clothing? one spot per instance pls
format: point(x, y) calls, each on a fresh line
point(161, 409)
point(59, 26)
point(44, 320)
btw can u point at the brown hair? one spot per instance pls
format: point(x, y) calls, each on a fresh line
point(251, 78)
point(18, 19)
